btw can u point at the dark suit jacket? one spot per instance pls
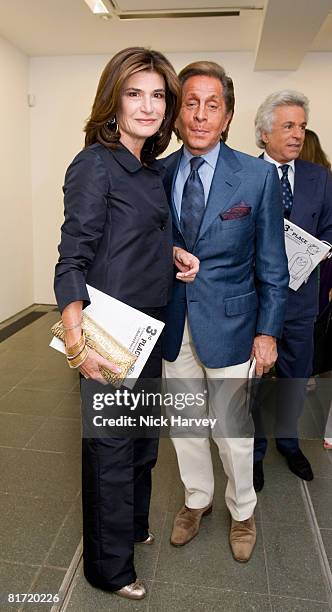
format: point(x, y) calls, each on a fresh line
point(311, 210)
point(117, 233)
point(241, 288)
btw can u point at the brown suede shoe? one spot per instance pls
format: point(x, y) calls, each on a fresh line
point(186, 524)
point(242, 539)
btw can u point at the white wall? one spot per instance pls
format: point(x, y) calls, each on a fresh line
point(15, 183)
point(64, 88)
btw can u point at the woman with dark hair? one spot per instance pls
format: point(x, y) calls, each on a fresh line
point(117, 237)
point(312, 150)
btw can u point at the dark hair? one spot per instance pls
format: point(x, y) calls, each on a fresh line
point(101, 125)
point(312, 150)
point(212, 69)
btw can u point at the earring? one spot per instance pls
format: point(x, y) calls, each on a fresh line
point(159, 134)
point(112, 125)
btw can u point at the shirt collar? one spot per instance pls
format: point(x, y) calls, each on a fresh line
point(211, 157)
point(128, 160)
point(278, 164)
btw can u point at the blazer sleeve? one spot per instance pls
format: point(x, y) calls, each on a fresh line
point(324, 228)
point(271, 267)
point(86, 191)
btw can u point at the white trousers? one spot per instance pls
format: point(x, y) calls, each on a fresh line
point(194, 454)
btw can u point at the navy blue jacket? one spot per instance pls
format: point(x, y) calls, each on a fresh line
point(117, 233)
point(311, 210)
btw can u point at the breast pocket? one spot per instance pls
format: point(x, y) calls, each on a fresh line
point(241, 223)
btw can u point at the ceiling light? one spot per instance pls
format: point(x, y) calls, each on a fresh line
point(98, 7)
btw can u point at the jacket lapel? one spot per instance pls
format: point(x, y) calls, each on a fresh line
point(304, 195)
point(224, 184)
point(169, 181)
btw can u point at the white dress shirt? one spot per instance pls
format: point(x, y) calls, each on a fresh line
point(206, 172)
point(291, 169)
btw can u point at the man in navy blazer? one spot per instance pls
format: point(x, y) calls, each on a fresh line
point(307, 196)
point(226, 209)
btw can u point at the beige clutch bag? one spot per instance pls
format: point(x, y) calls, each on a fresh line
point(104, 344)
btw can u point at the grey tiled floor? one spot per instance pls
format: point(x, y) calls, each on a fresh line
point(40, 516)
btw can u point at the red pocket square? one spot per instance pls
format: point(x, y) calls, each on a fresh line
point(236, 212)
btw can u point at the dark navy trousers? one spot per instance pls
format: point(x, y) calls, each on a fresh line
point(293, 368)
point(116, 492)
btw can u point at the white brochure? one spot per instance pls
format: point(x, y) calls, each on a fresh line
point(135, 330)
point(304, 252)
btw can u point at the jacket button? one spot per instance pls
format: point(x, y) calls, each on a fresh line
point(163, 226)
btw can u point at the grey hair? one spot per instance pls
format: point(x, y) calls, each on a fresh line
point(265, 114)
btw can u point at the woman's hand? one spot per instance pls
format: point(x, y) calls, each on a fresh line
point(72, 319)
point(187, 263)
point(90, 367)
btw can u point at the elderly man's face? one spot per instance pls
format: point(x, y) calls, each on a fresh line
point(285, 141)
point(203, 116)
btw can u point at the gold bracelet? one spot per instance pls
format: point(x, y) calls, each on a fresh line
point(76, 362)
point(74, 350)
point(73, 326)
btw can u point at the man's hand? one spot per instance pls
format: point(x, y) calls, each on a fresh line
point(265, 351)
point(187, 263)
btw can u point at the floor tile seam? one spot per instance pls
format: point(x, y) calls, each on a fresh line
point(305, 524)
point(298, 599)
point(39, 497)
point(28, 374)
point(260, 510)
point(22, 414)
point(221, 590)
point(159, 545)
point(35, 432)
point(169, 496)
point(19, 367)
point(33, 388)
point(22, 388)
point(19, 563)
point(53, 544)
point(69, 452)
point(32, 585)
point(60, 402)
point(62, 568)
point(73, 387)
point(23, 448)
point(69, 580)
point(60, 418)
point(6, 393)
point(319, 544)
point(31, 590)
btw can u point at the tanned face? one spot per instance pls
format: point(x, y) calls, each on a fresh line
point(203, 115)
